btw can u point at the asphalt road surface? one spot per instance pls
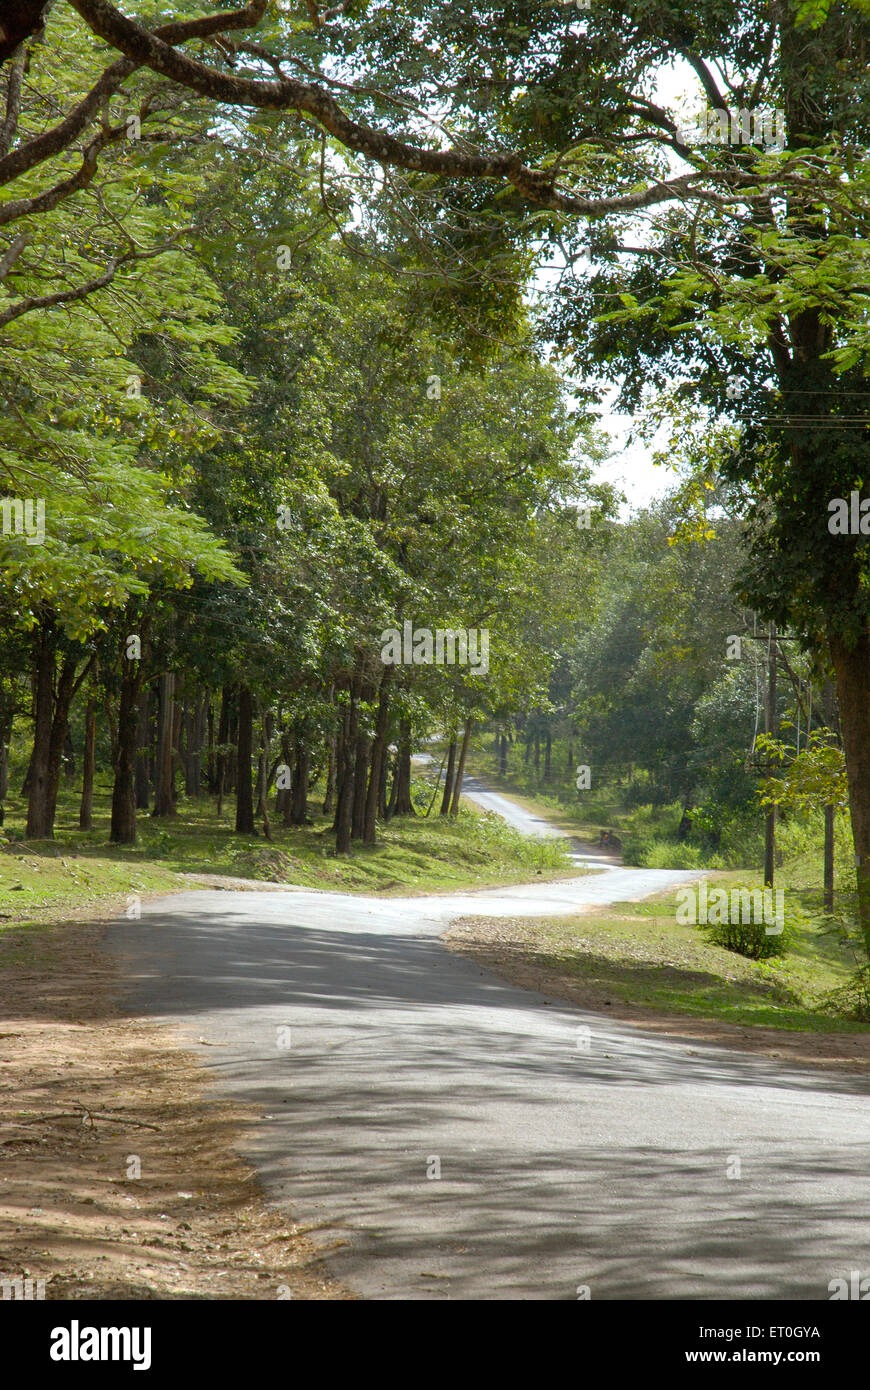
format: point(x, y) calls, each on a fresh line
point(452, 1136)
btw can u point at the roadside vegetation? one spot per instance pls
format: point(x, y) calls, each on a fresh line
point(639, 954)
point(815, 976)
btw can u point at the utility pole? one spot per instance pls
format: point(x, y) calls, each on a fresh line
point(770, 728)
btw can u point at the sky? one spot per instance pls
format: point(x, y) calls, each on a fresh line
point(631, 466)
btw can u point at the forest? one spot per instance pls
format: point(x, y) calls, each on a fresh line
point(264, 403)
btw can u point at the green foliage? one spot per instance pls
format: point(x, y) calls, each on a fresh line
point(852, 1000)
point(812, 779)
point(749, 938)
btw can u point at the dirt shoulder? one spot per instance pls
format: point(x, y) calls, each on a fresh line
point(506, 948)
point(84, 1094)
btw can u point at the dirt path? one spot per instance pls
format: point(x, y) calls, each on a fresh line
point(87, 1099)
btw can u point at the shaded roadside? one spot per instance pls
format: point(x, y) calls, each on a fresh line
point(88, 1099)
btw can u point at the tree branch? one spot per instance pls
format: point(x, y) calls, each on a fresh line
point(11, 254)
point(13, 101)
point(44, 202)
point(21, 20)
point(52, 141)
point(147, 49)
point(99, 282)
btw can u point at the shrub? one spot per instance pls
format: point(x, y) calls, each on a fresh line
point(752, 939)
point(666, 854)
point(852, 1000)
point(636, 849)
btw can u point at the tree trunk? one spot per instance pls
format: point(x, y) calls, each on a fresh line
point(382, 790)
point(404, 805)
point(339, 768)
point(143, 752)
point(360, 768)
point(51, 726)
point(232, 757)
point(163, 776)
point(86, 805)
point(185, 744)
point(460, 771)
point(828, 706)
point(284, 795)
point(852, 668)
point(39, 819)
point(329, 793)
point(7, 716)
point(379, 748)
point(266, 732)
point(210, 764)
point(448, 779)
point(66, 688)
point(299, 792)
point(394, 790)
point(123, 827)
point(548, 752)
point(176, 755)
point(223, 738)
point(245, 747)
point(112, 725)
point(201, 708)
point(770, 727)
point(193, 744)
point(347, 746)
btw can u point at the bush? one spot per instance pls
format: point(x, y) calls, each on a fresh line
point(667, 854)
point(636, 849)
point(661, 852)
point(752, 939)
point(852, 1000)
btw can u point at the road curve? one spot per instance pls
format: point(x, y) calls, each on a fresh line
point(452, 1136)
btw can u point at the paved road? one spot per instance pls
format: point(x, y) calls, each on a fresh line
point(572, 1151)
point(515, 815)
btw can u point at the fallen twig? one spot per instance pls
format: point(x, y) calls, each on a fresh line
point(84, 1114)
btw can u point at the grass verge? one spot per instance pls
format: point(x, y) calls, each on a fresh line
point(637, 955)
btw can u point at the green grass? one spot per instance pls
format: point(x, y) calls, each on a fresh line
point(414, 854)
point(639, 953)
